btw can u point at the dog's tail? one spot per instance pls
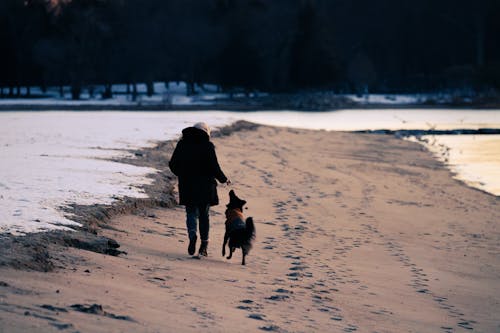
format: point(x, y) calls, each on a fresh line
point(249, 232)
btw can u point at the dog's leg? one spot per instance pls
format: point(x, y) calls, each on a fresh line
point(245, 252)
point(231, 250)
point(226, 237)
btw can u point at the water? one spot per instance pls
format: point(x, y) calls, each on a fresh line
point(475, 159)
point(52, 159)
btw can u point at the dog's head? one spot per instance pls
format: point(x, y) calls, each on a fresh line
point(235, 202)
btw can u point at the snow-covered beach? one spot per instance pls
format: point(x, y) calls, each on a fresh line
point(52, 159)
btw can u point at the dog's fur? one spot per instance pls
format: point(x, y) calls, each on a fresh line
point(239, 233)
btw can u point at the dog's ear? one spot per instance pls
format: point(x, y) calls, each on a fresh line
point(240, 204)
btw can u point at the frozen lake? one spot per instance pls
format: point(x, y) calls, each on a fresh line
point(52, 159)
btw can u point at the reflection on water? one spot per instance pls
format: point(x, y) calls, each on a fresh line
point(474, 158)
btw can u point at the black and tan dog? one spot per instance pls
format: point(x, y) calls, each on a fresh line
point(240, 233)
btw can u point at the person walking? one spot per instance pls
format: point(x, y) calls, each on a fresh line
point(195, 164)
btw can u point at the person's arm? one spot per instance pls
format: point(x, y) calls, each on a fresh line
point(217, 171)
point(173, 164)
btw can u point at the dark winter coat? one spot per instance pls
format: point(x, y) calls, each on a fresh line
point(195, 164)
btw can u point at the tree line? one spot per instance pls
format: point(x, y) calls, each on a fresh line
point(275, 46)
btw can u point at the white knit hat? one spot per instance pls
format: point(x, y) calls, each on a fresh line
point(202, 126)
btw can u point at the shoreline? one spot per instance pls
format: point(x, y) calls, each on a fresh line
point(355, 231)
point(237, 107)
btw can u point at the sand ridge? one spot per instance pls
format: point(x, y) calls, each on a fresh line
point(355, 233)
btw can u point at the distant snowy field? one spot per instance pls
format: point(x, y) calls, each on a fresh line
point(170, 94)
point(52, 159)
point(173, 93)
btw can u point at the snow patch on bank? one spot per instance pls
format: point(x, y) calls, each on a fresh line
point(53, 159)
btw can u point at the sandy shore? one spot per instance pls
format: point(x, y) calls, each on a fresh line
point(355, 232)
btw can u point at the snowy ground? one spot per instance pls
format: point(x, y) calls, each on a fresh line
point(169, 94)
point(173, 93)
point(51, 159)
point(399, 99)
point(392, 119)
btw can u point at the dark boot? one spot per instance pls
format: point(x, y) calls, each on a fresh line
point(203, 248)
point(192, 245)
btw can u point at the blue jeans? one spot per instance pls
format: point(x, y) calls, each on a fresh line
point(194, 213)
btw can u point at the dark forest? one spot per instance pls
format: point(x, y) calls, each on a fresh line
point(275, 46)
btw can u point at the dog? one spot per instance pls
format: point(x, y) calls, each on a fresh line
point(239, 233)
